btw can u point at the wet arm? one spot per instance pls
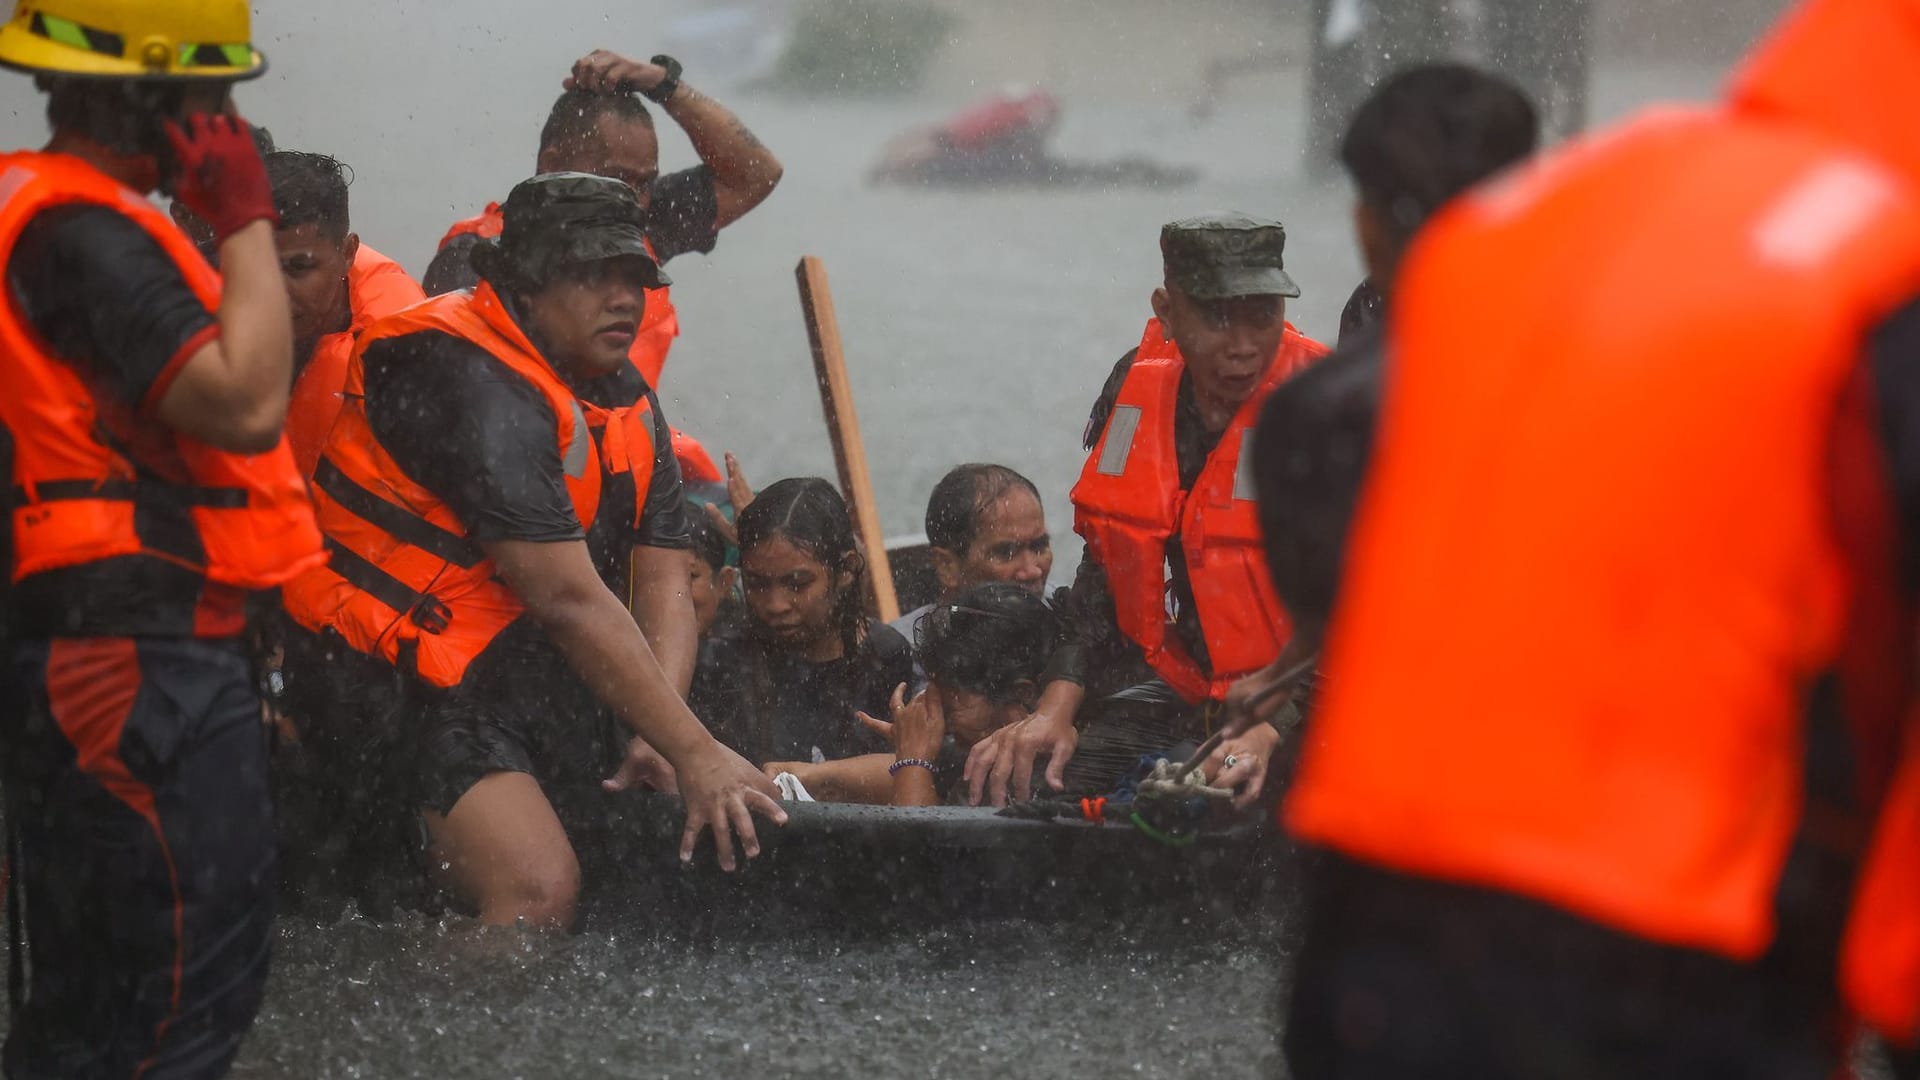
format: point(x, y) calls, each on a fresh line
point(860, 779)
point(1091, 635)
point(232, 393)
point(744, 170)
point(662, 606)
point(661, 565)
point(558, 585)
point(914, 786)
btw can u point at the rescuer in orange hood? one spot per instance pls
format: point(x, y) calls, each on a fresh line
point(1624, 638)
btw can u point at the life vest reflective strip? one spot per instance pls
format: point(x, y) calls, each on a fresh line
point(405, 584)
point(82, 492)
point(1603, 554)
point(1129, 504)
point(376, 287)
point(659, 323)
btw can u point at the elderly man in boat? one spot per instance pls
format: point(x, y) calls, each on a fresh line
point(1172, 605)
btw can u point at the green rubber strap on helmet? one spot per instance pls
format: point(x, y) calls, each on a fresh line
point(75, 36)
point(239, 56)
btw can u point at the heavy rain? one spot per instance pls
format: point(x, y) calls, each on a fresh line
point(979, 188)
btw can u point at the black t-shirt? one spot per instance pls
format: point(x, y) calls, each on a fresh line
point(1311, 449)
point(1365, 308)
point(465, 426)
point(770, 705)
point(107, 299)
point(683, 217)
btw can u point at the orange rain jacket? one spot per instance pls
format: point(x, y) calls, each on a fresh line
point(1629, 509)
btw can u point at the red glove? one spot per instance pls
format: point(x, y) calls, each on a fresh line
point(222, 178)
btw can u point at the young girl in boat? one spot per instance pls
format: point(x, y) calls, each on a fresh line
point(786, 685)
point(984, 655)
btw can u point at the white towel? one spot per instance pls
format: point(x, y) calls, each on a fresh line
point(791, 789)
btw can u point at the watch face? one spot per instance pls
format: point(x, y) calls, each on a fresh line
point(665, 88)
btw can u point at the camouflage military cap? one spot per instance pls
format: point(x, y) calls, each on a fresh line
point(1223, 255)
point(558, 219)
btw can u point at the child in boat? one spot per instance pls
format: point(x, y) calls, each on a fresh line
point(787, 683)
point(711, 583)
point(984, 653)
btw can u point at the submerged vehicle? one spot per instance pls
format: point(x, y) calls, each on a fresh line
point(1003, 140)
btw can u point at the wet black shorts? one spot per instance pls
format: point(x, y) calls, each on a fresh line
point(460, 749)
point(567, 742)
point(140, 853)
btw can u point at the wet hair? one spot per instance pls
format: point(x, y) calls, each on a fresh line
point(126, 116)
point(962, 498)
point(989, 640)
point(309, 189)
point(808, 513)
point(1430, 132)
point(577, 112)
point(708, 544)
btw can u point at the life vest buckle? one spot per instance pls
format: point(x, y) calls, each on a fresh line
point(431, 614)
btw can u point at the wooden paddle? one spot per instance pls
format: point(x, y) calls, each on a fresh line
point(843, 426)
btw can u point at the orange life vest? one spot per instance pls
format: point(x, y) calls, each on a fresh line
point(1880, 956)
point(1604, 553)
point(1129, 504)
point(85, 469)
point(376, 287)
point(405, 584)
point(659, 323)
point(1825, 60)
point(696, 465)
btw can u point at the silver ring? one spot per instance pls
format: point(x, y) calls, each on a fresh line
point(1231, 761)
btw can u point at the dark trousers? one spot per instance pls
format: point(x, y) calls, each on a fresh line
point(1409, 978)
point(140, 861)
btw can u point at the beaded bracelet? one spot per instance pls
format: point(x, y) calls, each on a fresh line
point(909, 763)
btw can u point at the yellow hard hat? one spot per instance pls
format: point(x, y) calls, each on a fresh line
point(132, 39)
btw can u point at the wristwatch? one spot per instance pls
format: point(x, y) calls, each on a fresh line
point(665, 87)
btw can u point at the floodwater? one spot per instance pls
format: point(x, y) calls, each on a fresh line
point(984, 999)
point(979, 326)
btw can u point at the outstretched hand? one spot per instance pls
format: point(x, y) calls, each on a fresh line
point(642, 767)
point(740, 494)
point(723, 792)
point(1004, 760)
